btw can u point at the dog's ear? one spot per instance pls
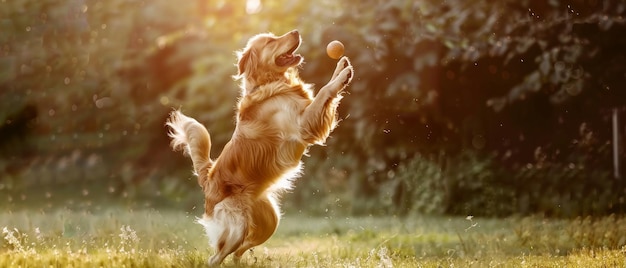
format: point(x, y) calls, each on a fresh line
point(247, 61)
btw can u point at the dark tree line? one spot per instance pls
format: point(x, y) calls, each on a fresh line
point(464, 107)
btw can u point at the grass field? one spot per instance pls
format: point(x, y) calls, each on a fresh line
point(121, 237)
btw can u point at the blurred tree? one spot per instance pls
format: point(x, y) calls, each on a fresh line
point(65, 69)
point(502, 94)
point(507, 79)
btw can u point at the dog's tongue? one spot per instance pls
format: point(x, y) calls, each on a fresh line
point(286, 59)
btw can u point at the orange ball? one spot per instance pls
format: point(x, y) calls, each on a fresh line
point(335, 49)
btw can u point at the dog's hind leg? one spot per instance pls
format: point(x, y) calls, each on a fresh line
point(231, 239)
point(226, 228)
point(265, 218)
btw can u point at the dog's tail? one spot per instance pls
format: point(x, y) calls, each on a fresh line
point(193, 138)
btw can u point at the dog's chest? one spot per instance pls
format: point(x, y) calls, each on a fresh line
point(277, 116)
point(287, 122)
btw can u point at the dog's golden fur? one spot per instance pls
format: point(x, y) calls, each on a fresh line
point(277, 120)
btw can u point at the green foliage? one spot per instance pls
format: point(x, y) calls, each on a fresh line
point(502, 79)
point(474, 185)
point(463, 185)
point(567, 190)
point(85, 87)
point(425, 184)
point(580, 185)
point(69, 63)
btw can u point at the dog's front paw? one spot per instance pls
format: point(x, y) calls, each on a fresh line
point(344, 72)
point(345, 62)
point(342, 80)
point(349, 75)
point(347, 66)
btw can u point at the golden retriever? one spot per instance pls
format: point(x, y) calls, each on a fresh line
point(277, 120)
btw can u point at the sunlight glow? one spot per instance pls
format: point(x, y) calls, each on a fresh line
point(253, 6)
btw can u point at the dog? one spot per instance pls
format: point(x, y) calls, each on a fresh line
point(277, 120)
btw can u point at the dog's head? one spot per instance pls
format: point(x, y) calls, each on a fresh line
point(267, 56)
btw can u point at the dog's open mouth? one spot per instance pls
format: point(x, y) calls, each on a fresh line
point(289, 58)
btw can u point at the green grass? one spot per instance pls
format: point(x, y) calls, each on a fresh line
point(120, 237)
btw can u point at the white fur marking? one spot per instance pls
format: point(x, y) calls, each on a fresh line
point(212, 228)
